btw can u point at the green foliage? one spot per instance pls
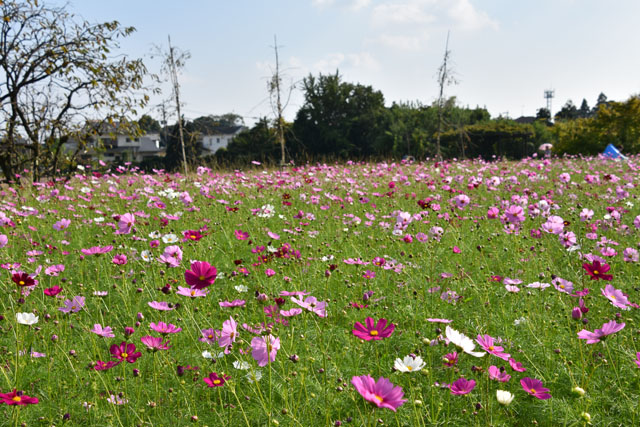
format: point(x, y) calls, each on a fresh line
point(258, 143)
point(503, 138)
point(616, 123)
point(338, 118)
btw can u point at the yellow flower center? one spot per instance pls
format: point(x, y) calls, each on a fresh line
point(409, 368)
point(596, 272)
point(193, 237)
point(373, 333)
point(561, 286)
point(124, 355)
point(378, 398)
point(16, 398)
point(216, 382)
point(193, 293)
point(210, 336)
point(490, 348)
point(21, 283)
point(201, 277)
point(532, 390)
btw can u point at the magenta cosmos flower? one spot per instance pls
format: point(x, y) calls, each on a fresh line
point(535, 388)
point(607, 329)
point(487, 343)
point(373, 331)
point(214, 380)
point(382, 393)
point(17, 398)
point(597, 270)
point(125, 352)
point(201, 275)
point(264, 349)
point(462, 386)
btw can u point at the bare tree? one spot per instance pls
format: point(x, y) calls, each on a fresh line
point(445, 78)
point(275, 90)
point(58, 73)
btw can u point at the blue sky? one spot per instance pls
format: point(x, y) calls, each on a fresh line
point(505, 52)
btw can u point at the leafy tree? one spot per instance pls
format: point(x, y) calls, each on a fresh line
point(544, 115)
point(258, 143)
point(338, 118)
point(584, 110)
point(192, 145)
point(56, 73)
point(504, 138)
point(568, 112)
point(148, 124)
point(602, 100)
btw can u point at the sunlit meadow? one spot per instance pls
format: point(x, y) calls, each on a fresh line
point(461, 293)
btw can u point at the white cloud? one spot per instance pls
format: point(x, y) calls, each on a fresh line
point(411, 42)
point(350, 4)
point(410, 12)
point(465, 15)
point(322, 3)
point(360, 4)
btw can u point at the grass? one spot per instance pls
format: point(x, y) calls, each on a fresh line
point(323, 215)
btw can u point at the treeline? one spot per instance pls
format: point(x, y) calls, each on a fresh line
point(340, 120)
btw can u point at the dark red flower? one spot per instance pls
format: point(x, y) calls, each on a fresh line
point(22, 279)
point(597, 270)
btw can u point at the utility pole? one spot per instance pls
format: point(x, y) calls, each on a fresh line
point(176, 91)
point(274, 88)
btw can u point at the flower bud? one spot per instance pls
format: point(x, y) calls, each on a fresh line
point(578, 390)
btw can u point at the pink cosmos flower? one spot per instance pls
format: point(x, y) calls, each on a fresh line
point(493, 212)
point(155, 343)
point(62, 224)
point(192, 293)
point(54, 270)
point(105, 332)
point(382, 393)
point(4, 240)
point(164, 328)
point(554, 225)
point(535, 388)
point(562, 285)
point(103, 366)
point(517, 366)
point(119, 259)
point(371, 331)
point(228, 334)
point(269, 272)
point(291, 312)
point(213, 380)
point(631, 255)
point(487, 343)
point(125, 352)
point(293, 293)
point(462, 386)
point(73, 305)
point(234, 303)
point(450, 359)
point(638, 359)
point(439, 320)
point(241, 235)
point(498, 374)
point(264, 349)
point(160, 305)
point(617, 298)
point(607, 329)
point(201, 275)
point(512, 288)
point(209, 336)
point(312, 304)
point(97, 250)
point(125, 223)
point(172, 256)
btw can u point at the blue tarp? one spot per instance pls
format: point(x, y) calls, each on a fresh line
point(613, 153)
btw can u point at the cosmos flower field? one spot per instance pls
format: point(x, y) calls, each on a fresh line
point(460, 293)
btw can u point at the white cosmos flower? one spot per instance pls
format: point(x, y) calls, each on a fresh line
point(241, 288)
point(254, 376)
point(26, 318)
point(409, 364)
point(170, 238)
point(242, 365)
point(504, 397)
point(464, 342)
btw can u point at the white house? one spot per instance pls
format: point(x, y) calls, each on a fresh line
point(220, 139)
